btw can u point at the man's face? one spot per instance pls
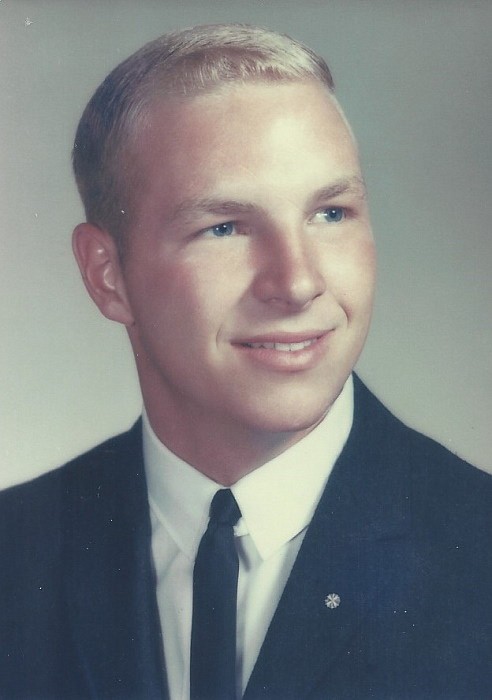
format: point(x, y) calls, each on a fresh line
point(250, 270)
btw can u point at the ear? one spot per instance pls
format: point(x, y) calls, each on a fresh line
point(98, 259)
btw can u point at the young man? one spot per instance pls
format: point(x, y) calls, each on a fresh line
point(228, 230)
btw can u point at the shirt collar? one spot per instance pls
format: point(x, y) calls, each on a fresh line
point(277, 500)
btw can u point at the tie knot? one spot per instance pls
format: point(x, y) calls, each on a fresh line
point(224, 510)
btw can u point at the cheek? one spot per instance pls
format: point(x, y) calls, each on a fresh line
point(216, 276)
point(365, 265)
point(158, 296)
point(353, 277)
point(200, 292)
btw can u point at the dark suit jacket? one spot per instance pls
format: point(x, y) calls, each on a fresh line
point(402, 534)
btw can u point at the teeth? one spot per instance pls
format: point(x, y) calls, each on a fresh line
point(282, 347)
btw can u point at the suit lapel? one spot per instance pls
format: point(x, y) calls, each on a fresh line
point(353, 549)
point(110, 586)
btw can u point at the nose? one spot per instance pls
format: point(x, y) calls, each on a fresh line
point(288, 274)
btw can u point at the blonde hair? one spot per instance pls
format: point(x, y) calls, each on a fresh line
point(180, 64)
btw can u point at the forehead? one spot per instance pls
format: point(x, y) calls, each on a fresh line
point(239, 136)
point(246, 107)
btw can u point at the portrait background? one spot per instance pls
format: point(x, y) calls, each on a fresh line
point(415, 81)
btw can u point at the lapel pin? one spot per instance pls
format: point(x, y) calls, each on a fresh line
point(332, 601)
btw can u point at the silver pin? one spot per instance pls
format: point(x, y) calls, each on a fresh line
point(332, 601)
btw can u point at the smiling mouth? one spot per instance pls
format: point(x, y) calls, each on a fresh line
point(282, 347)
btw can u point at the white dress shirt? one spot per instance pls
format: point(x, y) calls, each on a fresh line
point(277, 502)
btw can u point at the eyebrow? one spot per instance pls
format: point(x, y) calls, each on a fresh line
point(192, 207)
point(195, 206)
point(351, 185)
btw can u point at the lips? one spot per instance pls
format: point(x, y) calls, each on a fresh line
point(285, 352)
point(282, 341)
point(281, 346)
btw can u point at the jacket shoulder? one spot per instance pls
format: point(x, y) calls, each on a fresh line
point(449, 494)
point(55, 533)
point(441, 486)
point(28, 505)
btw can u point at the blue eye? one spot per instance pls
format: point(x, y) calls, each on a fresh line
point(222, 230)
point(329, 215)
point(334, 214)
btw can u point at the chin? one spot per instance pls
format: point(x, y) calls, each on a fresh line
point(290, 418)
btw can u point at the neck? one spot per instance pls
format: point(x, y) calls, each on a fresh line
point(223, 452)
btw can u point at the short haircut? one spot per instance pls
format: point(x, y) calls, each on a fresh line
point(177, 65)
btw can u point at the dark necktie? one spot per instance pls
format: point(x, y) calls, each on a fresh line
point(213, 634)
